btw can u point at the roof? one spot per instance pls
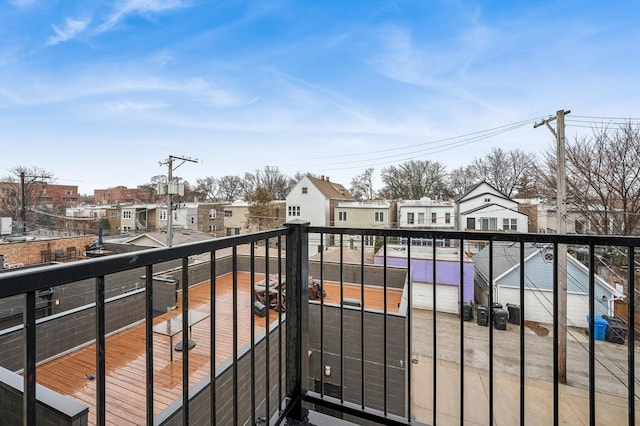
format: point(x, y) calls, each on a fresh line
point(331, 190)
point(484, 206)
point(505, 257)
point(472, 188)
point(180, 236)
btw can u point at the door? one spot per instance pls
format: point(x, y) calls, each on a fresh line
point(471, 223)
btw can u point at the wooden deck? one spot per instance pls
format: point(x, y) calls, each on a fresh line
point(125, 352)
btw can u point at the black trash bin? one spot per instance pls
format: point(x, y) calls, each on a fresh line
point(617, 330)
point(500, 319)
point(467, 311)
point(514, 313)
point(482, 315)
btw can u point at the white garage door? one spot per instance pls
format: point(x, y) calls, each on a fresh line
point(539, 305)
point(447, 297)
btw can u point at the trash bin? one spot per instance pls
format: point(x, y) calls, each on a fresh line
point(482, 315)
point(600, 325)
point(467, 311)
point(514, 313)
point(500, 319)
point(616, 331)
point(496, 305)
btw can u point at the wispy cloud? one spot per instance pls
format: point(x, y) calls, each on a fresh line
point(129, 7)
point(70, 30)
point(22, 3)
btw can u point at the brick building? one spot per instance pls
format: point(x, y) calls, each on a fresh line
point(122, 194)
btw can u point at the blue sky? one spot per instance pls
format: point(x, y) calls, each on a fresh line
point(99, 92)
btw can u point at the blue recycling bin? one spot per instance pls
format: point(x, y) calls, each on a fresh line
point(600, 325)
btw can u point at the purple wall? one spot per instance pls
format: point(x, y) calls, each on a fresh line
point(446, 272)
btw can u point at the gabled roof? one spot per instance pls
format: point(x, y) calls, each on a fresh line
point(505, 256)
point(490, 205)
point(331, 190)
point(472, 188)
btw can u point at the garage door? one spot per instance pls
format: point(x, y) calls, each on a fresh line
point(539, 305)
point(447, 297)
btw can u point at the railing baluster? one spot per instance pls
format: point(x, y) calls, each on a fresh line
point(435, 332)
point(461, 321)
point(491, 320)
point(409, 325)
point(631, 335)
point(267, 357)
point(384, 337)
point(252, 292)
point(185, 340)
point(556, 287)
point(592, 337)
point(322, 318)
point(234, 342)
point(212, 347)
point(29, 379)
point(362, 353)
point(341, 319)
point(149, 341)
point(522, 345)
point(100, 353)
point(279, 248)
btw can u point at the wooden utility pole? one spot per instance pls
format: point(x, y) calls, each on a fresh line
point(173, 189)
point(561, 229)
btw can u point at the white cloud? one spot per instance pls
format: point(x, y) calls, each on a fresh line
point(22, 3)
point(72, 27)
point(129, 7)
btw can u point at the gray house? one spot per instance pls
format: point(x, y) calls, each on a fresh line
point(538, 272)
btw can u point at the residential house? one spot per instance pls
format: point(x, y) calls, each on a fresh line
point(211, 218)
point(577, 220)
point(122, 194)
point(235, 217)
point(315, 199)
point(136, 218)
point(482, 207)
point(367, 214)
point(447, 279)
point(426, 213)
point(538, 274)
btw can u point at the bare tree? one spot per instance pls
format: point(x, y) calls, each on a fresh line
point(460, 179)
point(270, 178)
point(261, 210)
point(208, 187)
point(229, 188)
point(299, 175)
point(414, 179)
point(22, 190)
point(507, 171)
point(362, 185)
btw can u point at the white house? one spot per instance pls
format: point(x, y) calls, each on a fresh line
point(185, 216)
point(364, 214)
point(482, 207)
point(315, 199)
point(426, 213)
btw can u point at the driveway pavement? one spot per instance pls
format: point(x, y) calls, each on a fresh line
point(611, 376)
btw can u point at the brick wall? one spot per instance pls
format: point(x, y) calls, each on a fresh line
point(28, 252)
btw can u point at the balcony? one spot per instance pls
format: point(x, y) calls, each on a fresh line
point(357, 335)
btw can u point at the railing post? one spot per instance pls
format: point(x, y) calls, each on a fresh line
point(297, 322)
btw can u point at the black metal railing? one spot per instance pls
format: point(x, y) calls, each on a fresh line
point(337, 356)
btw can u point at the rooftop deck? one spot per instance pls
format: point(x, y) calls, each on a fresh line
point(125, 351)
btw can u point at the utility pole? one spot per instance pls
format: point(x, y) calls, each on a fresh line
point(561, 225)
point(173, 189)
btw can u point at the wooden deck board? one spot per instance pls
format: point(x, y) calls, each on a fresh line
point(125, 351)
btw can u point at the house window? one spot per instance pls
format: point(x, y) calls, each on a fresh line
point(379, 216)
point(488, 223)
point(293, 211)
point(228, 213)
point(163, 215)
point(175, 215)
point(305, 189)
point(433, 217)
point(510, 224)
point(487, 200)
point(126, 214)
point(193, 220)
point(342, 216)
point(212, 213)
point(447, 218)
point(126, 229)
point(410, 219)
point(369, 240)
point(212, 228)
point(68, 192)
point(421, 219)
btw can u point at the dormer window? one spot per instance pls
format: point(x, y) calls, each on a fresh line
point(305, 189)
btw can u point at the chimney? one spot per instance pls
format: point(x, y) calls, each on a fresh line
point(322, 177)
point(327, 179)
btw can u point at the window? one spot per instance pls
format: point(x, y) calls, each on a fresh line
point(487, 200)
point(510, 224)
point(488, 223)
point(420, 218)
point(342, 216)
point(293, 211)
point(175, 215)
point(126, 229)
point(369, 240)
point(433, 217)
point(410, 219)
point(447, 218)
point(228, 213)
point(162, 215)
point(212, 213)
point(379, 216)
point(212, 228)
point(305, 189)
point(126, 214)
point(193, 220)
point(68, 192)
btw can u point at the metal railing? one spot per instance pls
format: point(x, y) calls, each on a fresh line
point(365, 338)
